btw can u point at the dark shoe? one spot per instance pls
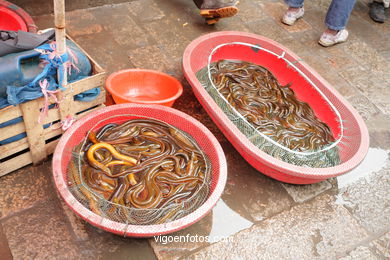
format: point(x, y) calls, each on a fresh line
point(218, 9)
point(377, 12)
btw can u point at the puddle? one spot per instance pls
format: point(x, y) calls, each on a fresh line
point(375, 160)
point(226, 222)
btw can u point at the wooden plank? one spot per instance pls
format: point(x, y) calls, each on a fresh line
point(35, 135)
point(52, 131)
point(12, 130)
point(9, 113)
point(15, 163)
point(85, 84)
point(12, 148)
point(52, 115)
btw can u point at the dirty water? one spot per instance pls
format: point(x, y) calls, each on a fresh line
point(226, 222)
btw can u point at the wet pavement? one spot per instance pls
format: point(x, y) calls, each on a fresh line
point(257, 217)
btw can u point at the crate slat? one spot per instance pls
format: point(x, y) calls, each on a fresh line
point(9, 113)
point(52, 115)
point(85, 84)
point(12, 148)
point(12, 130)
point(15, 163)
point(52, 131)
point(24, 159)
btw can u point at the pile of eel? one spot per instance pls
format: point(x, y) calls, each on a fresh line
point(136, 168)
point(271, 109)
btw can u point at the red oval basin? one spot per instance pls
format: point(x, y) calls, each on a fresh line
point(287, 68)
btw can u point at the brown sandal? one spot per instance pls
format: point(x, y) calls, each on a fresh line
point(223, 12)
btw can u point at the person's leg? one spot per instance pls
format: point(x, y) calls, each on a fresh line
point(294, 12)
point(338, 14)
point(294, 3)
point(336, 19)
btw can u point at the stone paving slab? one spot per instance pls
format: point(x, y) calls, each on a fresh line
point(5, 252)
point(319, 229)
point(45, 235)
point(364, 106)
point(360, 252)
point(24, 189)
point(176, 250)
point(273, 32)
point(251, 11)
point(377, 249)
point(153, 12)
point(302, 193)
point(366, 198)
point(370, 84)
point(381, 246)
point(104, 245)
point(250, 193)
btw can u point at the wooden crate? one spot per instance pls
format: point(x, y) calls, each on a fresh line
point(41, 142)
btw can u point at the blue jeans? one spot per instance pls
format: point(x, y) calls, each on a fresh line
point(337, 15)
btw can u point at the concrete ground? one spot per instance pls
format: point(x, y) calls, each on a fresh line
point(342, 218)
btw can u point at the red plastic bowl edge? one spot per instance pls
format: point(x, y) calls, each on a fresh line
point(162, 101)
point(31, 27)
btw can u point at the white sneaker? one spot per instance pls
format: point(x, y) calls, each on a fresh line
point(327, 40)
point(290, 17)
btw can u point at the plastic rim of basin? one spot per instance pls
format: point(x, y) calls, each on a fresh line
point(143, 87)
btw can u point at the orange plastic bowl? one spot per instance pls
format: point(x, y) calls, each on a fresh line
point(143, 87)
